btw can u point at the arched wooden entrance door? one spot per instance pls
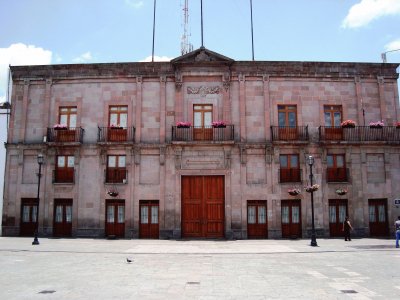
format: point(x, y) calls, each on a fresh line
point(203, 210)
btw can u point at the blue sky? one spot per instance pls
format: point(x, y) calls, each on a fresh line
point(94, 31)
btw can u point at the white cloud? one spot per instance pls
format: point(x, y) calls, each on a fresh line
point(365, 11)
point(156, 58)
point(21, 54)
point(134, 4)
point(393, 45)
point(85, 57)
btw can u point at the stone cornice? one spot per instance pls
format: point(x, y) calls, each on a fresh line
point(248, 68)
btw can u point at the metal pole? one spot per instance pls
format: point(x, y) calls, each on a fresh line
point(154, 29)
point(35, 240)
point(313, 236)
point(201, 10)
point(252, 38)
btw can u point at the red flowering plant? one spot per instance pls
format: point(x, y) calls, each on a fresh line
point(397, 124)
point(183, 124)
point(294, 191)
point(115, 126)
point(377, 124)
point(218, 124)
point(348, 124)
point(312, 188)
point(60, 126)
point(341, 191)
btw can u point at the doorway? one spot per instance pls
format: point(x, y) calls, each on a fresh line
point(257, 226)
point(149, 219)
point(291, 218)
point(62, 218)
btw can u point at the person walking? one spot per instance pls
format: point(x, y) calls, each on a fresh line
point(397, 228)
point(346, 228)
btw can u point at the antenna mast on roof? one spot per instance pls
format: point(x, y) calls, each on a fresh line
point(186, 46)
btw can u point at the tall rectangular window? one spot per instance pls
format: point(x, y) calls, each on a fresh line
point(336, 168)
point(116, 169)
point(333, 115)
point(287, 115)
point(289, 168)
point(118, 116)
point(67, 116)
point(202, 115)
point(64, 169)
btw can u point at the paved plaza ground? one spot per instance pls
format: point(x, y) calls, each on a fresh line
point(180, 269)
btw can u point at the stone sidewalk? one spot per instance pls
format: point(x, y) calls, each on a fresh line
point(187, 269)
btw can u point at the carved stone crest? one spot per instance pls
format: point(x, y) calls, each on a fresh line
point(202, 56)
point(203, 90)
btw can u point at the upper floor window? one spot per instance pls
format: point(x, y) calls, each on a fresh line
point(336, 171)
point(118, 116)
point(64, 168)
point(202, 115)
point(333, 115)
point(116, 169)
point(289, 168)
point(287, 115)
point(67, 116)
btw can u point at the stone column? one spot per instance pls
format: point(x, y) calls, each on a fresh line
point(139, 99)
point(242, 106)
point(162, 108)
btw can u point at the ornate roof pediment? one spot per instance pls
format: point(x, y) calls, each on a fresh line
point(202, 55)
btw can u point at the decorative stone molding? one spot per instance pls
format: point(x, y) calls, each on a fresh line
point(381, 80)
point(139, 79)
point(204, 90)
point(266, 78)
point(357, 79)
point(162, 155)
point(243, 157)
point(228, 155)
point(202, 56)
point(268, 154)
point(163, 78)
point(241, 77)
point(178, 80)
point(226, 81)
point(136, 154)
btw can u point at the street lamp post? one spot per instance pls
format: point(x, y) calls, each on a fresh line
point(310, 161)
point(40, 160)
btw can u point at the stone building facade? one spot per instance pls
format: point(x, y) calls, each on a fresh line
point(117, 164)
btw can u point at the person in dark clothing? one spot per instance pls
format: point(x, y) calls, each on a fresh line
point(346, 228)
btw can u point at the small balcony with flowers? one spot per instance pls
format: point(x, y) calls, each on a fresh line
point(116, 134)
point(61, 134)
point(219, 132)
point(349, 132)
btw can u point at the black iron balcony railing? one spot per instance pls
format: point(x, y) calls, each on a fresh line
point(360, 134)
point(337, 175)
point(116, 175)
point(287, 133)
point(116, 134)
point(65, 175)
point(289, 175)
point(67, 135)
point(205, 133)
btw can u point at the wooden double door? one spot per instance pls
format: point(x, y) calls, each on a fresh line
point(28, 223)
point(203, 212)
point(115, 218)
point(337, 213)
point(378, 222)
point(291, 218)
point(62, 220)
point(149, 219)
point(257, 227)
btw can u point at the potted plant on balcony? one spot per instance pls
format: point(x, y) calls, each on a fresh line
point(115, 126)
point(348, 124)
point(397, 124)
point(113, 192)
point(341, 191)
point(183, 124)
point(294, 191)
point(312, 188)
point(60, 127)
point(377, 124)
point(218, 124)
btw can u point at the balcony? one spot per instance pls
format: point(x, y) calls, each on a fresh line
point(337, 175)
point(287, 133)
point(67, 135)
point(289, 175)
point(64, 175)
point(206, 133)
point(116, 135)
point(116, 175)
point(360, 134)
